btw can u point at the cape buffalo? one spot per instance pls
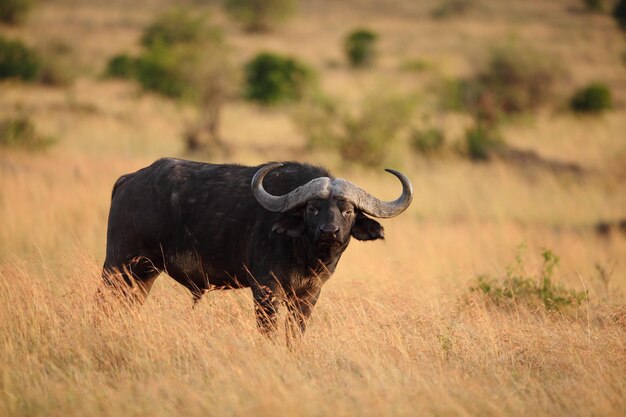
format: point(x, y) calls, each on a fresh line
point(279, 229)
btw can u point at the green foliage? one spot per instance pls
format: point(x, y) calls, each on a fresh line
point(273, 78)
point(364, 136)
point(359, 47)
point(122, 66)
point(619, 13)
point(540, 290)
point(593, 98)
point(159, 70)
point(260, 15)
point(19, 132)
point(427, 141)
point(18, 61)
point(14, 11)
point(481, 141)
point(177, 26)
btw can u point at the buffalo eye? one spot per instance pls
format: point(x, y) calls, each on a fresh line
point(311, 210)
point(347, 212)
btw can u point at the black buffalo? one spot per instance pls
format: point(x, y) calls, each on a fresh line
point(278, 228)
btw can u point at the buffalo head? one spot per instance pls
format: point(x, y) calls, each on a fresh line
point(330, 210)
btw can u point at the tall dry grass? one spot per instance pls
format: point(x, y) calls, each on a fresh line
point(402, 352)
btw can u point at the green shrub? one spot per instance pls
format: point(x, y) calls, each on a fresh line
point(18, 61)
point(177, 26)
point(260, 15)
point(159, 70)
point(594, 98)
point(534, 291)
point(370, 133)
point(481, 141)
point(122, 66)
point(272, 78)
point(14, 11)
point(619, 13)
point(359, 47)
point(365, 136)
point(427, 141)
point(19, 132)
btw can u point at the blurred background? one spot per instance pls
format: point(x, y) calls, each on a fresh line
point(509, 118)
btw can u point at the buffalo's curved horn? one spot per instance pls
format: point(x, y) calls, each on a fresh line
point(369, 204)
point(316, 188)
point(325, 187)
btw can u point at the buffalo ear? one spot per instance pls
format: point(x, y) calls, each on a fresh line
point(367, 229)
point(290, 225)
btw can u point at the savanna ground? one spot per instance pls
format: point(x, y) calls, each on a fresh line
point(397, 330)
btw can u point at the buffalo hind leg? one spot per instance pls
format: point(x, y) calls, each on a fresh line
point(130, 284)
point(299, 311)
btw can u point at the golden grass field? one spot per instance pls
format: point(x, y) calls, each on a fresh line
point(397, 331)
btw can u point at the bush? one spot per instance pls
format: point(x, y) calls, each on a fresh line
point(427, 141)
point(365, 136)
point(122, 66)
point(14, 11)
point(260, 15)
point(619, 13)
point(594, 98)
point(272, 78)
point(18, 61)
point(177, 26)
point(535, 291)
point(370, 133)
point(20, 132)
point(482, 141)
point(359, 47)
point(159, 70)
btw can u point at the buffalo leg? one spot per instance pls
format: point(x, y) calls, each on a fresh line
point(300, 309)
point(266, 307)
point(131, 283)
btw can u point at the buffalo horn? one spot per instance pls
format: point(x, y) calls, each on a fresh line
point(325, 187)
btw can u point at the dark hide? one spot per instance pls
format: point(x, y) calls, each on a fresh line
point(201, 224)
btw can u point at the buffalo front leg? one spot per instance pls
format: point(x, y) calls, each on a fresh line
point(266, 300)
point(300, 309)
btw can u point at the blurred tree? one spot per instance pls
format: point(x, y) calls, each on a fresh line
point(260, 15)
point(359, 46)
point(184, 58)
point(18, 60)
point(273, 78)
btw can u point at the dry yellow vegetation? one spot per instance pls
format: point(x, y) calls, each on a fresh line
point(396, 331)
